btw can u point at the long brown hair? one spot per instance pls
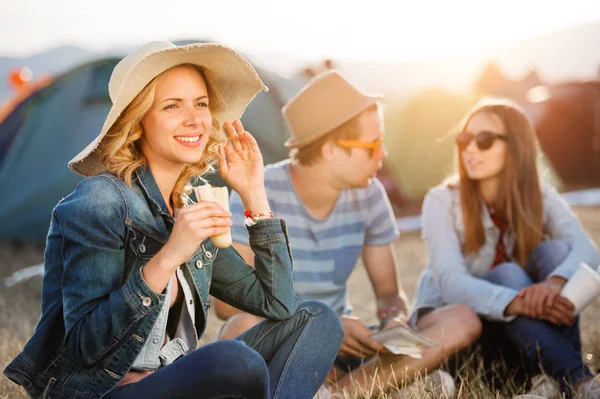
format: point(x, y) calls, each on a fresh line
point(520, 194)
point(121, 152)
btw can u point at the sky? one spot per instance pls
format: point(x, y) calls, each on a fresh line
point(380, 30)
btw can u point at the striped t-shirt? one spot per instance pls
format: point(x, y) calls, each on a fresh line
point(324, 251)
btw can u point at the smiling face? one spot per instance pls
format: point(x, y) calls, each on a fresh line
point(488, 163)
point(177, 127)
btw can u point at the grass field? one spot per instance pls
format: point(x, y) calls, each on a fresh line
point(20, 308)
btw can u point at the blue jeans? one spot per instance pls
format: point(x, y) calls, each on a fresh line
point(556, 349)
point(274, 359)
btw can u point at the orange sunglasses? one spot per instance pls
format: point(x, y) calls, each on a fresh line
point(368, 145)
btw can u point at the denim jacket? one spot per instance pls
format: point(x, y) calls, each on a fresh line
point(97, 310)
point(453, 277)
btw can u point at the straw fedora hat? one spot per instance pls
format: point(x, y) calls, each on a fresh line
point(326, 102)
point(226, 70)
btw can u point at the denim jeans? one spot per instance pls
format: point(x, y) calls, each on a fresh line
point(274, 359)
point(556, 349)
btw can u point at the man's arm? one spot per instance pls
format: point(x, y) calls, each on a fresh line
point(225, 311)
point(380, 262)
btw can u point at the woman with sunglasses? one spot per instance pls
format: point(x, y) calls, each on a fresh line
point(503, 243)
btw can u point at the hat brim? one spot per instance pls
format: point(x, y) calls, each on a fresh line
point(226, 70)
point(368, 101)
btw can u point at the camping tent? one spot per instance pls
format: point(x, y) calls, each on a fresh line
point(51, 126)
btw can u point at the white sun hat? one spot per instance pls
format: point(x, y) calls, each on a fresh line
point(226, 70)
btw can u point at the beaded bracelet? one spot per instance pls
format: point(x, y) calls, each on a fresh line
point(251, 219)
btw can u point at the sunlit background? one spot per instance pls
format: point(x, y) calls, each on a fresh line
point(377, 30)
point(431, 59)
point(283, 34)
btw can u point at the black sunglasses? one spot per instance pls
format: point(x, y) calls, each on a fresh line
point(484, 140)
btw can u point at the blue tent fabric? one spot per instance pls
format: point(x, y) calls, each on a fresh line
point(48, 129)
point(53, 125)
point(12, 127)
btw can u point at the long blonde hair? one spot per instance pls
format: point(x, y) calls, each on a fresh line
point(521, 193)
point(121, 152)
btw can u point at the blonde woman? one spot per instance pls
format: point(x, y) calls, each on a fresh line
point(504, 244)
point(129, 265)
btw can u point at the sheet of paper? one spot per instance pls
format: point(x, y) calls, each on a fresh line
point(403, 350)
point(402, 340)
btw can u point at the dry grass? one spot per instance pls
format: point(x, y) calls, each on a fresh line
point(20, 308)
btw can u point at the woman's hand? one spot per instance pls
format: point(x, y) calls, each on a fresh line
point(194, 224)
point(539, 297)
point(562, 312)
point(543, 301)
point(240, 161)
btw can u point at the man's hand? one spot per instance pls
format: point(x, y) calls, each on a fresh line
point(396, 317)
point(357, 341)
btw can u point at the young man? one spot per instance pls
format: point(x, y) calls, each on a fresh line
point(337, 211)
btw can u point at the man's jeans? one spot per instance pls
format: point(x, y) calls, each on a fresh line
point(556, 349)
point(274, 359)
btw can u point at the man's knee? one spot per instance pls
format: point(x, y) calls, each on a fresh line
point(469, 322)
point(237, 324)
point(465, 324)
point(457, 325)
